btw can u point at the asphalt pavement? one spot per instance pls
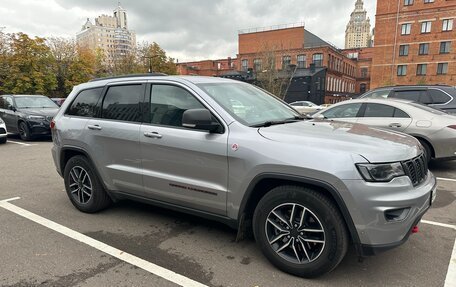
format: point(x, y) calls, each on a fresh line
point(45, 241)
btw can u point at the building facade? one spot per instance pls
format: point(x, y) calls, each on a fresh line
point(358, 31)
point(414, 43)
point(212, 68)
point(109, 34)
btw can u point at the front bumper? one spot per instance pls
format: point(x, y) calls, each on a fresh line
point(41, 128)
point(373, 201)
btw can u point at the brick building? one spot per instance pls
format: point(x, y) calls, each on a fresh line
point(414, 43)
point(207, 67)
point(363, 58)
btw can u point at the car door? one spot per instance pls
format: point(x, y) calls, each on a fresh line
point(384, 116)
point(182, 166)
point(345, 112)
point(113, 137)
point(9, 114)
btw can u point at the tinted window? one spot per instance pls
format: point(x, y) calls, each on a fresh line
point(122, 103)
point(3, 103)
point(407, 95)
point(343, 111)
point(168, 104)
point(438, 97)
point(378, 111)
point(400, 114)
point(85, 104)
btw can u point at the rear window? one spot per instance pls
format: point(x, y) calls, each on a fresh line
point(438, 97)
point(85, 103)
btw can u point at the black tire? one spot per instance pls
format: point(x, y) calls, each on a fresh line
point(24, 132)
point(427, 150)
point(327, 255)
point(3, 140)
point(98, 199)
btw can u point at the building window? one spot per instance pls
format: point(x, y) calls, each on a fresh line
point(408, 2)
point(364, 72)
point(402, 70)
point(426, 27)
point(286, 61)
point(245, 65)
point(301, 60)
point(428, 1)
point(403, 50)
point(421, 69)
point(447, 25)
point(445, 47)
point(257, 63)
point(424, 49)
point(406, 29)
point(317, 59)
point(442, 68)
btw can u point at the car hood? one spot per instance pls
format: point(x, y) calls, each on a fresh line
point(51, 112)
point(375, 145)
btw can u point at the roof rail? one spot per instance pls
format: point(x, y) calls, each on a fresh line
point(129, 76)
point(415, 86)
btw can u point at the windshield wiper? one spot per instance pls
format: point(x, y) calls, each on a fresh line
point(273, 123)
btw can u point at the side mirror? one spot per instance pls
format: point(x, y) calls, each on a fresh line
point(200, 119)
point(12, 108)
point(319, 117)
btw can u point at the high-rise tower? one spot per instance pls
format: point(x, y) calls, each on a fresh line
point(357, 34)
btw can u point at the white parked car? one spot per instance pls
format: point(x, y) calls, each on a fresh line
point(306, 107)
point(3, 132)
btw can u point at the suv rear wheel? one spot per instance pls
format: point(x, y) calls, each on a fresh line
point(83, 186)
point(300, 231)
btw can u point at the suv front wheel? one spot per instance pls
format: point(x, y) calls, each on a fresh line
point(300, 231)
point(83, 186)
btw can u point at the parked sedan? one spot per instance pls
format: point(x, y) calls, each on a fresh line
point(27, 115)
point(3, 132)
point(436, 130)
point(306, 107)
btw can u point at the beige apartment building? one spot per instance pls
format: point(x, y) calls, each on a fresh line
point(357, 33)
point(110, 34)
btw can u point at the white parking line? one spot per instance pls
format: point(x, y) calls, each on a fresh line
point(446, 179)
point(450, 280)
point(439, 224)
point(129, 258)
point(20, 143)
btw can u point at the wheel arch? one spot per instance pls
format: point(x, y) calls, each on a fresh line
point(428, 142)
point(263, 183)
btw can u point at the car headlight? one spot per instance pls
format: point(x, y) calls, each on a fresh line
point(383, 172)
point(36, 118)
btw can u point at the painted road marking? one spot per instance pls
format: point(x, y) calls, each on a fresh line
point(439, 224)
point(446, 179)
point(20, 143)
point(450, 280)
point(126, 257)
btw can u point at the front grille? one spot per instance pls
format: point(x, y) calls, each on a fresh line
point(2, 131)
point(416, 168)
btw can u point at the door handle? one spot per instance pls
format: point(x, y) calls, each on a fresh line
point(153, 135)
point(94, 127)
point(395, 125)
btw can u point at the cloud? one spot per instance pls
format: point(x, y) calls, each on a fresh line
point(187, 30)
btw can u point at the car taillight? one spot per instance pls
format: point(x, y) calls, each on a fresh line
point(52, 125)
point(452, 127)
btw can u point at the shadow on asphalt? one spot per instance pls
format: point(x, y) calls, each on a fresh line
point(16, 137)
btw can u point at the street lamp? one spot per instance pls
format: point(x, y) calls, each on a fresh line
point(150, 62)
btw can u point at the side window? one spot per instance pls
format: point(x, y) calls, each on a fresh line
point(377, 94)
point(425, 98)
point(438, 97)
point(168, 104)
point(378, 111)
point(343, 111)
point(408, 95)
point(400, 114)
point(122, 103)
point(2, 103)
point(85, 103)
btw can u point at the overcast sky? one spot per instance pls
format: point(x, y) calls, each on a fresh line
point(186, 29)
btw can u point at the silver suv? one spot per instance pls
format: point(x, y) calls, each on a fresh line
point(231, 152)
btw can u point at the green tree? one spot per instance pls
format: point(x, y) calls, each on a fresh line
point(31, 66)
point(160, 62)
point(81, 69)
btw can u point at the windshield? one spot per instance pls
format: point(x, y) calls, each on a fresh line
point(34, 102)
point(248, 104)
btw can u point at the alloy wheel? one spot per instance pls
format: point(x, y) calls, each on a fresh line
point(80, 185)
point(295, 233)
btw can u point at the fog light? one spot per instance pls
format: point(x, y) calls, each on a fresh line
point(394, 215)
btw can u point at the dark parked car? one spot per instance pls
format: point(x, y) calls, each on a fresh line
point(437, 96)
point(27, 115)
